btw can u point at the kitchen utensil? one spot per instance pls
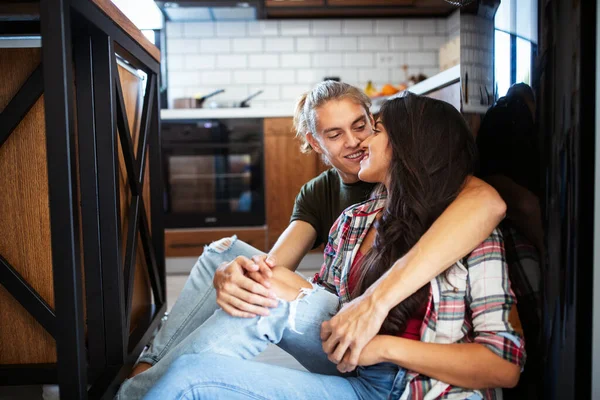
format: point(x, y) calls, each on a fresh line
point(244, 103)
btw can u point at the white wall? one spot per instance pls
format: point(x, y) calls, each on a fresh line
point(285, 58)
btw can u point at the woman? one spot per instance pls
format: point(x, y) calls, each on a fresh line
point(421, 153)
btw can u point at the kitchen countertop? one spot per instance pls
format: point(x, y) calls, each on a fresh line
point(440, 80)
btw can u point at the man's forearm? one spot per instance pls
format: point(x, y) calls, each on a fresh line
point(293, 244)
point(466, 223)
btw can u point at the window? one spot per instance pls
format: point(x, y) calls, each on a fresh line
point(514, 43)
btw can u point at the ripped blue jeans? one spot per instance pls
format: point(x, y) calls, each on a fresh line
point(211, 362)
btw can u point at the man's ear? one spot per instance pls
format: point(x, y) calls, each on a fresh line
point(314, 143)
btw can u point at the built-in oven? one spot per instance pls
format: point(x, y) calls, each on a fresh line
point(214, 172)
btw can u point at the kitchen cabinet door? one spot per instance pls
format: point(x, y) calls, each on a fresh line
point(286, 170)
point(294, 3)
point(369, 3)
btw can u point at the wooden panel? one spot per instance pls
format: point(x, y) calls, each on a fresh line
point(113, 12)
point(190, 243)
point(370, 3)
point(294, 3)
point(24, 217)
point(286, 170)
point(133, 98)
point(278, 127)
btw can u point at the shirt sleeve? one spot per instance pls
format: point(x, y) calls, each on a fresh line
point(492, 301)
point(330, 252)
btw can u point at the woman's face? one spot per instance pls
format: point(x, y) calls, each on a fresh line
point(376, 160)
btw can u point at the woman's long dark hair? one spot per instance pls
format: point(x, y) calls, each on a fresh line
point(433, 152)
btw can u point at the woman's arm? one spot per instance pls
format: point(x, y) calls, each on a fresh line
point(470, 219)
point(468, 365)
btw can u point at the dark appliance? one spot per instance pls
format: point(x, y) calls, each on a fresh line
point(214, 172)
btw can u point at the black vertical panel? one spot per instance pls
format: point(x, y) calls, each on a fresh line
point(108, 196)
point(58, 88)
point(88, 172)
point(157, 191)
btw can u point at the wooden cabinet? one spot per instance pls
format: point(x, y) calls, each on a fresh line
point(191, 242)
point(357, 8)
point(286, 170)
point(294, 3)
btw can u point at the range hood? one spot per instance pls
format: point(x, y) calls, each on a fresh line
point(211, 10)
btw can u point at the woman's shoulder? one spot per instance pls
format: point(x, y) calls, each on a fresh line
point(365, 208)
point(492, 248)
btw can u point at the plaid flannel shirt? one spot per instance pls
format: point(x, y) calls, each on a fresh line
point(471, 304)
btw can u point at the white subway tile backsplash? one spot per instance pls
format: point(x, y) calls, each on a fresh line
point(269, 92)
point(422, 58)
point(373, 43)
point(376, 75)
point(389, 59)
point(326, 59)
point(357, 26)
point(429, 71)
point(358, 60)
point(326, 27)
point(310, 76)
point(174, 30)
point(280, 76)
point(311, 44)
point(215, 45)
point(295, 60)
point(247, 45)
point(441, 25)
point(182, 46)
point(405, 43)
point(232, 61)
point(175, 62)
point(231, 29)
point(389, 26)
point(292, 92)
point(198, 29)
point(279, 44)
point(263, 28)
point(183, 78)
point(249, 76)
point(285, 104)
point(264, 60)
point(342, 43)
point(433, 42)
point(294, 28)
point(421, 26)
point(348, 75)
point(287, 57)
point(215, 77)
point(196, 62)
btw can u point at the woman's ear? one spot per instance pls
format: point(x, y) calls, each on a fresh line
point(314, 143)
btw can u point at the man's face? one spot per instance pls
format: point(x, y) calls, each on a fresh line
point(341, 126)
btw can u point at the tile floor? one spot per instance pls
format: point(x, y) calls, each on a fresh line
point(273, 355)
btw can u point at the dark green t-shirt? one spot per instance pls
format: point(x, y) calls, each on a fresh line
point(323, 199)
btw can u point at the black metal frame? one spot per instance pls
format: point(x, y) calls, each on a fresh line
point(76, 31)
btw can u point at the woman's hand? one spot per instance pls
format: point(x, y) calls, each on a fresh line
point(242, 296)
point(350, 330)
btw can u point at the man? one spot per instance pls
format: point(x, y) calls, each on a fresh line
point(332, 120)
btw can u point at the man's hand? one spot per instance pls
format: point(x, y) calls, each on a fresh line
point(351, 329)
point(240, 295)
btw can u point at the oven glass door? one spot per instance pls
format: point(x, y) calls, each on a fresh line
point(214, 174)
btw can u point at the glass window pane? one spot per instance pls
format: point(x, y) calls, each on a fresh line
point(523, 61)
point(502, 62)
point(503, 16)
point(527, 20)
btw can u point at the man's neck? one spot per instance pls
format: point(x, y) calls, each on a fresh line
point(348, 179)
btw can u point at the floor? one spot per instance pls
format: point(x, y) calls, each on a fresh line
point(273, 355)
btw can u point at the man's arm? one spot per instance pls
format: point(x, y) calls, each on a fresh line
point(467, 222)
point(243, 286)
